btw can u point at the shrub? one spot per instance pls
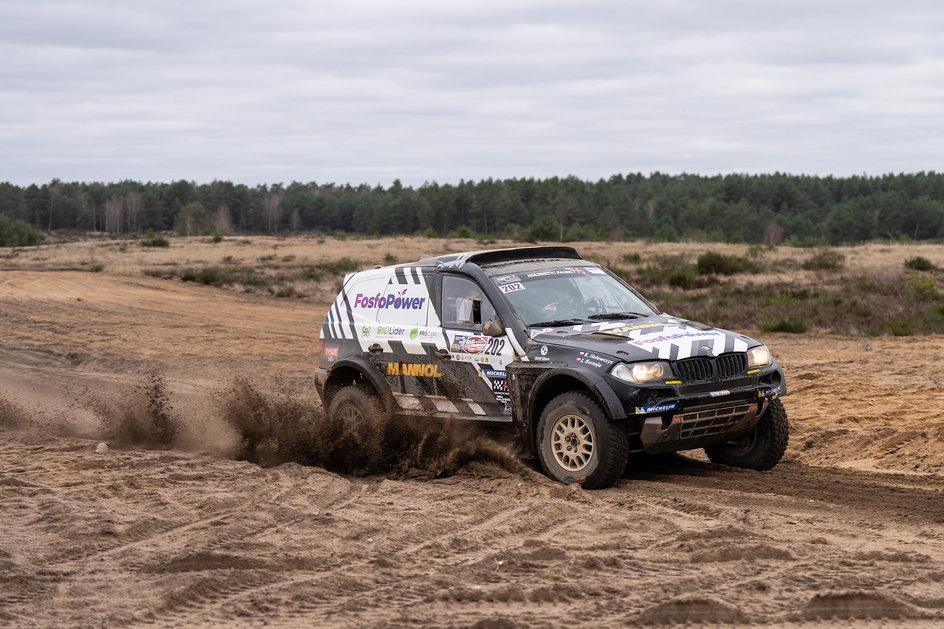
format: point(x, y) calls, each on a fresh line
point(210, 275)
point(720, 264)
point(919, 263)
point(150, 240)
point(461, 232)
point(923, 287)
point(577, 233)
point(900, 328)
point(342, 266)
point(287, 291)
point(669, 269)
point(632, 258)
point(17, 233)
point(825, 260)
point(792, 325)
point(682, 278)
point(757, 251)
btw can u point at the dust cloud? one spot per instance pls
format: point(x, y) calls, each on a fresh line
point(268, 428)
point(278, 428)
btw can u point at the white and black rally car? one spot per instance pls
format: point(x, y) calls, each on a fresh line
point(583, 368)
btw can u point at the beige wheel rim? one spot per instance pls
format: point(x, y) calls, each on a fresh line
point(572, 442)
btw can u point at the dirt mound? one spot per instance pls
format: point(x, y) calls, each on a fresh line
point(690, 610)
point(855, 605)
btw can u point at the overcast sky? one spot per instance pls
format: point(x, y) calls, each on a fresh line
point(434, 90)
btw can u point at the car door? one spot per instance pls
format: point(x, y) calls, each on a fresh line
point(473, 365)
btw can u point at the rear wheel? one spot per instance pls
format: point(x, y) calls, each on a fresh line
point(355, 429)
point(578, 444)
point(761, 448)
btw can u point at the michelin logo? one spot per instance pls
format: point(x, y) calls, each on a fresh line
point(659, 408)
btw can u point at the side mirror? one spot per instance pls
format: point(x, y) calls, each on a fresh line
point(493, 327)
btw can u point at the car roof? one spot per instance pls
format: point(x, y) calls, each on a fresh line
point(500, 256)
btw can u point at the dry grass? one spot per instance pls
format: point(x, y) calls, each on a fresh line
point(850, 290)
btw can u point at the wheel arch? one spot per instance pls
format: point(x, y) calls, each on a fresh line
point(355, 371)
point(565, 381)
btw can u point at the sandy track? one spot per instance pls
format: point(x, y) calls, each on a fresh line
point(850, 527)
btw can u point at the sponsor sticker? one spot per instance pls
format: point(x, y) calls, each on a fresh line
point(494, 373)
point(719, 393)
point(365, 331)
point(499, 385)
point(511, 288)
point(331, 352)
point(659, 408)
point(671, 337)
point(630, 328)
point(419, 370)
point(507, 279)
point(556, 272)
point(390, 331)
point(474, 344)
point(396, 301)
point(596, 358)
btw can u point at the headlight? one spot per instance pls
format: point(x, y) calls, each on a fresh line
point(758, 357)
point(638, 373)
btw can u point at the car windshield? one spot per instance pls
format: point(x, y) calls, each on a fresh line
point(570, 296)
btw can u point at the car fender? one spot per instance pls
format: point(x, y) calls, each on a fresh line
point(368, 371)
point(597, 385)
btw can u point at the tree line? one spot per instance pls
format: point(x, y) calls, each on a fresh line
point(768, 208)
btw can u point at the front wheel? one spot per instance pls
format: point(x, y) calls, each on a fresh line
point(761, 448)
point(578, 444)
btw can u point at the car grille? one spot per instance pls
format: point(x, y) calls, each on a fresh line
point(703, 369)
point(712, 421)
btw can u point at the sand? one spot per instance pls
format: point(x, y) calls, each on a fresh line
point(848, 530)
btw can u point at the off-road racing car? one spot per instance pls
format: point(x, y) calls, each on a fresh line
point(582, 367)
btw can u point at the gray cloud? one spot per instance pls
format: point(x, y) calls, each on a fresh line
point(370, 91)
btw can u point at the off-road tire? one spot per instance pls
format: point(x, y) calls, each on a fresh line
point(760, 449)
point(354, 427)
point(598, 448)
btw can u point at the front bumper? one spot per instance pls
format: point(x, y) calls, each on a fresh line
point(697, 421)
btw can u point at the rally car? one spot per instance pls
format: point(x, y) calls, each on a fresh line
point(582, 367)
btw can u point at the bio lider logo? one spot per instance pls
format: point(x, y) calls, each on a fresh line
point(399, 301)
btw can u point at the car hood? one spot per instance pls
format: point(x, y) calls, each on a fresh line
point(658, 337)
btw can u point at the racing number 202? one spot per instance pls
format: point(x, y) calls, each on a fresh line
point(494, 347)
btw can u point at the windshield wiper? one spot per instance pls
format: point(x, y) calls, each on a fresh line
point(618, 315)
point(558, 322)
